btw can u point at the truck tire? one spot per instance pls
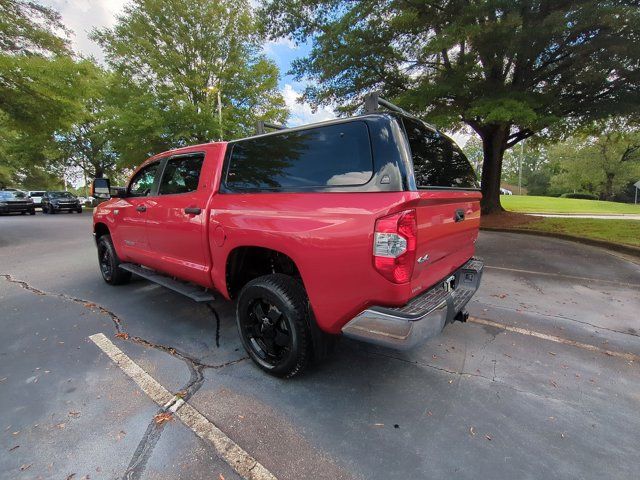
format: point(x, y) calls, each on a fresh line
point(273, 322)
point(108, 261)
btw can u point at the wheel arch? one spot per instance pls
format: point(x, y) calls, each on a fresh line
point(244, 263)
point(100, 229)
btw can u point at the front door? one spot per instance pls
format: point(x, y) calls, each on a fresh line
point(176, 221)
point(131, 213)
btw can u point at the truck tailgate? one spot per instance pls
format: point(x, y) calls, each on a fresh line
point(448, 224)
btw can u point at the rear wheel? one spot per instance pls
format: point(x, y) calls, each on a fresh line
point(32, 212)
point(273, 321)
point(109, 263)
point(79, 210)
point(51, 210)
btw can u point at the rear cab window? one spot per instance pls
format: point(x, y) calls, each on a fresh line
point(319, 158)
point(437, 161)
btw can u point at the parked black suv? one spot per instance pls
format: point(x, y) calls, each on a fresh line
point(54, 202)
point(15, 201)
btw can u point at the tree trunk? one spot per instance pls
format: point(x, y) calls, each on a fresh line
point(494, 140)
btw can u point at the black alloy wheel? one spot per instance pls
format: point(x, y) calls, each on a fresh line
point(109, 263)
point(273, 322)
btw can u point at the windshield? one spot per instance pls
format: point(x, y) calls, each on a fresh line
point(36, 194)
point(11, 195)
point(61, 195)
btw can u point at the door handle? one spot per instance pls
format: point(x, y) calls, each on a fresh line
point(141, 208)
point(193, 210)
point(459, 216)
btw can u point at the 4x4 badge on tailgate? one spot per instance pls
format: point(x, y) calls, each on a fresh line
point(423, 258)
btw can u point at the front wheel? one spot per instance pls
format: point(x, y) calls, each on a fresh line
point(109, 262)
point(79, 210)
point(273, 321)
point(32, 212)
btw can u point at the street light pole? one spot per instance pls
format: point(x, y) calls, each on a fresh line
point(220, 114)
point(520, 168)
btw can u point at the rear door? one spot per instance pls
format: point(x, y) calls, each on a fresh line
point(177, 219)
point(448, 210)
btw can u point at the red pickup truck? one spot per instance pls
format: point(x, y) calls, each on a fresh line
point(361, 226)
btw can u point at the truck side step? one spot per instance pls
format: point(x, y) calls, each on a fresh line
point(190, 290)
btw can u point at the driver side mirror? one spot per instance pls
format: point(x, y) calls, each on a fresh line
point(101, 189)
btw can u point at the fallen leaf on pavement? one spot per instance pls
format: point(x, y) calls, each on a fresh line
point(123, 335)
point(220, 477)
point(74, 414)
point(472, 431)
point(60, 425)
point(25, 467)
point(70, 477)
point(552, 353)
point(13, 448)
point(488, 437)
point(163, 417)
point(378, 424)
point(554, 384)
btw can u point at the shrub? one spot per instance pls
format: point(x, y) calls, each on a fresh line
point(583, 196)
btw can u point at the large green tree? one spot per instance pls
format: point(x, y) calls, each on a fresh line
point(177, 64)
point(42, 86)
point(602, 159)
point(506, 68)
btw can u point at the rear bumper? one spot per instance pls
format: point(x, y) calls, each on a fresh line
point(422, 317)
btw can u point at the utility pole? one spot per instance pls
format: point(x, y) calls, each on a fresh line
point(637, 185)
point(212, 89)
point(520, 167)
point(220, 114)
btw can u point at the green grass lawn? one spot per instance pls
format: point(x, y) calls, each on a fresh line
point(532, 204)
point(625, 232)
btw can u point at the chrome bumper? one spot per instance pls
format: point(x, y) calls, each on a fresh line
point(422, 317)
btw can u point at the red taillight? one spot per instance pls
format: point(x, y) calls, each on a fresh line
point(394, 245)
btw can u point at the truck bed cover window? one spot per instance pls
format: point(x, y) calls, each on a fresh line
point(437, 162)
point(331, 156)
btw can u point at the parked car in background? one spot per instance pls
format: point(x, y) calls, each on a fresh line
point(16, 201)
point(504, 191)
point(36, 196)
point(54, 202)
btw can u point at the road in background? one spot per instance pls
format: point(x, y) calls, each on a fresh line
point(480, 401)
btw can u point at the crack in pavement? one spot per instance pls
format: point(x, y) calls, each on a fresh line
point(551, 315)
point(196, 371)
point(462, 374)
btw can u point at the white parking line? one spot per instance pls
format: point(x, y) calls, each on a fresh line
point(552, 338)
point(238, 459)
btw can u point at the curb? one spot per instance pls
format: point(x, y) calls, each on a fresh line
point(616, 247)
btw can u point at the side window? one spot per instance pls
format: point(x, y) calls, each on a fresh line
point(142, 183)
point(181, 175)
point(331, 156)
point(437, 161)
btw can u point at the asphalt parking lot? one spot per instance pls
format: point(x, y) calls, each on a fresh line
point(543, 382)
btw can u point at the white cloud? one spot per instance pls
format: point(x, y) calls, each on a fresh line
point(301, 113)
point(82, 16)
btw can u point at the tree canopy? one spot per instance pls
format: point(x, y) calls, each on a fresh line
point(505, 68)
point(172, 60)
